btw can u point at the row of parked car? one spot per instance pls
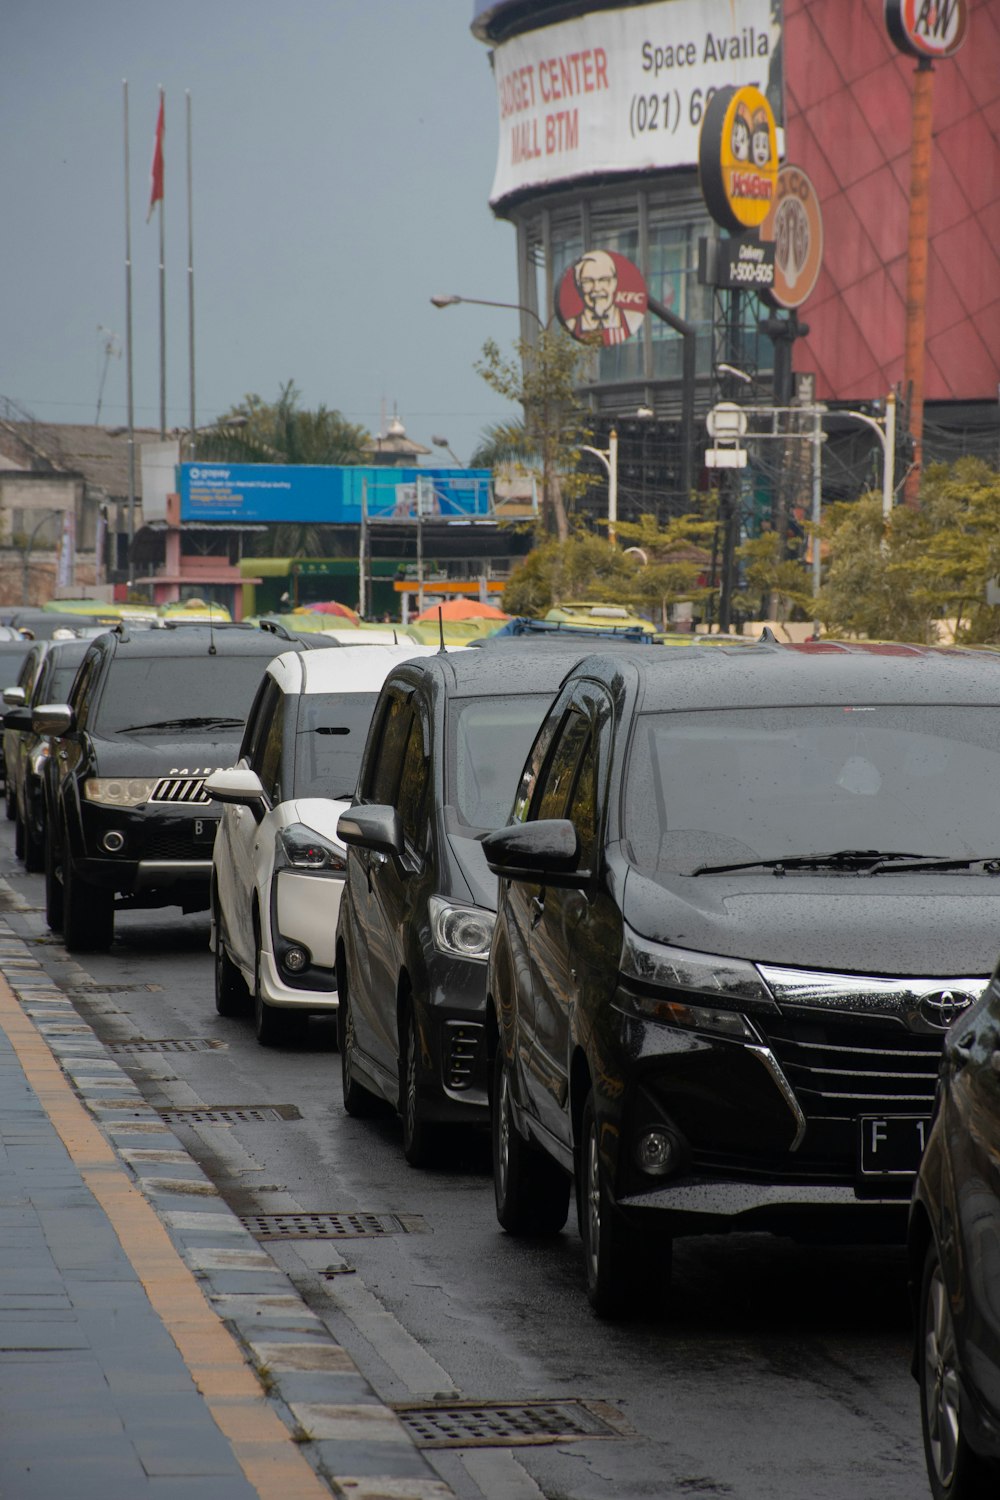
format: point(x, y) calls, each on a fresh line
point(704, 938)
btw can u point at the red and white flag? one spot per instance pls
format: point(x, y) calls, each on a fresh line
point(156, 170)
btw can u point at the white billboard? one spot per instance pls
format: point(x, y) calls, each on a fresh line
point(625, 90)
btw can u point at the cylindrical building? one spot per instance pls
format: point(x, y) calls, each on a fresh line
point(600, 106)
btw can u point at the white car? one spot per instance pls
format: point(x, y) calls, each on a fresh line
point(277, 863)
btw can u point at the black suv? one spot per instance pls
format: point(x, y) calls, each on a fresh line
point(743, 894)
point(150, 716)
point(447, 740)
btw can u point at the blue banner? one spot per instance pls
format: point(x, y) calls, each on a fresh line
point(330, 494)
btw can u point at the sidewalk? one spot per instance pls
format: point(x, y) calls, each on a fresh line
point(148, 1345)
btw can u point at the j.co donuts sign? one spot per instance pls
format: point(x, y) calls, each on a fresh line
point(738, 158)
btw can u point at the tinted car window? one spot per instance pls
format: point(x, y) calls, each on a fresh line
point(555, 789)
point(488, 740)
point(384, 774)
point(329, 742)
point(413, 784)
point(159, 690)
point(766, 783)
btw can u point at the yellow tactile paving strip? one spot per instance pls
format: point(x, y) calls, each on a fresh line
point(260, 1441)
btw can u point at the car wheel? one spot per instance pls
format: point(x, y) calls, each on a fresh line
point(954, 1470)
point(88, 914)
point(232, 997)
point(53, 888)
point(359, 1101)
point(531, 1192)
point(34, 849)
point(418, 1133)
point(626, 1272)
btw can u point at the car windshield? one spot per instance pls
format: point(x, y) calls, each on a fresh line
point(488, 740)
point(330, 738)
point(178, 691)
point(713, 788)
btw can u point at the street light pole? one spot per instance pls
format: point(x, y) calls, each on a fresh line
point(609, 458)
point(885, 431)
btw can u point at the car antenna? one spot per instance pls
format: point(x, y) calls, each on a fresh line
point(441, 648)
point(212, 648)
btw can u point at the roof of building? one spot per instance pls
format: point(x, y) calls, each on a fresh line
point(98, 455)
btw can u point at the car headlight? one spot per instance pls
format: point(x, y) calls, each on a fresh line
point(688, 983)
point(461, 931)
point(303, 848)
point(118, 791)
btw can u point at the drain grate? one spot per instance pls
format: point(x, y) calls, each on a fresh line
point(167, 1044)
point(227, 1114)
point(96, 987)
point(330, 1226)
point(501, 1424)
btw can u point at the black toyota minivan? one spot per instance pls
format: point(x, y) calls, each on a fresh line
point(742, 896)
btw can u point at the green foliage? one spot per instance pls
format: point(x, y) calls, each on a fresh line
point(896, 582)
point(281, 432)
point(675, 559)
point(770, 575)
point(582, 567)
point(542, 380)
point(505, 445)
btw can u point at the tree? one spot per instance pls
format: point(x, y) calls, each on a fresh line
point(281, 432)
point(542, 380)
point(504, 445)
point(581, 567)
point(771, 576)
point(672, 563)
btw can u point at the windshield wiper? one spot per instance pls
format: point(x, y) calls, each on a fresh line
point(838, 859)
point(204, 721)
point(989, 862)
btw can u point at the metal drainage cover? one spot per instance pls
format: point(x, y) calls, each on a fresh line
point(227, 1114)
point(330, 1226)
point(96, 987)
point(167, 1044)
point(498, 1424)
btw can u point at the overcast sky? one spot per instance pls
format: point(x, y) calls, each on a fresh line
point(343, 155)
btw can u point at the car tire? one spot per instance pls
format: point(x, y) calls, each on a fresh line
point(359, 1102)
point(273, 1026)
point(34, 850)
point(53, 888)
point(955, 1471)
point(88, 914)
point(232, 995)
point(626, 1272)
point(419, 1135)
point(531, 1192)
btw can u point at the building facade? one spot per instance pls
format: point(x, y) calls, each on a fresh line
point(599, 108)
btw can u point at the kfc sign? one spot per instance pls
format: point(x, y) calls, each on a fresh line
point(738, 158)
point(602, 298)
point(927, 28)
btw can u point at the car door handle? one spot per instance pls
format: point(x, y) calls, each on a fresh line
point(537, 910)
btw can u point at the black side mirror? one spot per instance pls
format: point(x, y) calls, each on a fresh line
point(377, 827)
point(546, 851)
point(17, 718)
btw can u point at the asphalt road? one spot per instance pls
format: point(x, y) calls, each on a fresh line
point(781, 1372)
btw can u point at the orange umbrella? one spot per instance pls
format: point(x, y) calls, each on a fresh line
point(330, 607)
point(462, 609)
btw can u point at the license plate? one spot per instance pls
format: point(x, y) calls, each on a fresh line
point(203, 830)
point(892, 1145)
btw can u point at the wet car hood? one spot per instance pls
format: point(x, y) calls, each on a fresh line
point(912, 925)
point(150, 755)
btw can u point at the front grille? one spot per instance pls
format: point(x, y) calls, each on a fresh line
point(840, 1069)
point(463, 1041)
point(173, 843)
point(187, 789)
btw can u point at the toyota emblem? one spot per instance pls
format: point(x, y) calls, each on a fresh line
point(946, 1006)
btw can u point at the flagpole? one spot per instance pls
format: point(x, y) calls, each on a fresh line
point(163, 312)
point(187, 96)
point(128, 353)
